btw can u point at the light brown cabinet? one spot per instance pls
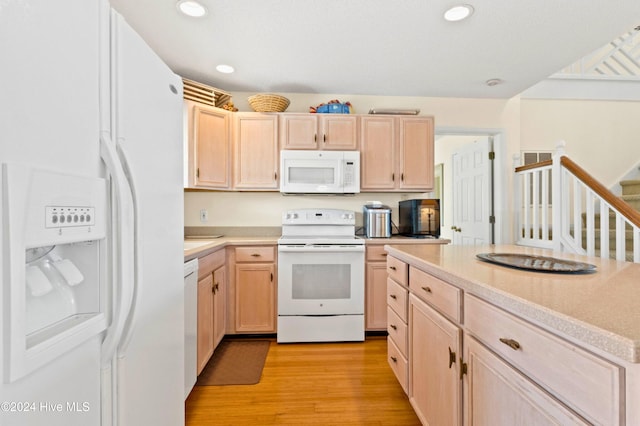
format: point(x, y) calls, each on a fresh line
point(375, 288)
point(396, 153)
point(318, 131)
point(500, 395)
point(586, 384)
point(256, 153)
point(211, 305)
point(254, 288)
point(435, 388)
point(510, 372)
point(205, 321)
point(219, 304)
point(208, 147)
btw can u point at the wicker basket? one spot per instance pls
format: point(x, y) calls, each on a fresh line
point(268, 102)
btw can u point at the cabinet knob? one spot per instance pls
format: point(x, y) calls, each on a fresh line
point(255, 254)
point(393, 326)
point(452, 357)
point(393, 296)
point(393, 268)
point(402, 177)
point(513, 344)
point(427, 289)
point(324, 138)
point(394, 359)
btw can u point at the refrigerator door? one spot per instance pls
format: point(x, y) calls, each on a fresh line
point(49, 119)
point(147, 128)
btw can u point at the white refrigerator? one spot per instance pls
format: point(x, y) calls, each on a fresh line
point(91, 221)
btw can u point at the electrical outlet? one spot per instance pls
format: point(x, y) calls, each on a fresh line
point(204, 215)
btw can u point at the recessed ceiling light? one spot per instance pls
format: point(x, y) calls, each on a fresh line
point(192, 8)
point(493, 82)
point(225, 69)
point(458, 13)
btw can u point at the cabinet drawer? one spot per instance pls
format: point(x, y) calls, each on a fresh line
point(397, 269)
point(588, 384)
point(208, 263)
point(397, 330)
point(376, 254)
point(398, 364)
point(441, 295)
point(397, 298)
point(255, 254)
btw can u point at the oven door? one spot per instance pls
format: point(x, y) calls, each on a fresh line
point(318, 279)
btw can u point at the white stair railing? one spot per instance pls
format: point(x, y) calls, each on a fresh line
point(580, 215)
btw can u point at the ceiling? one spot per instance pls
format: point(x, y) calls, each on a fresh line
point(378, 47)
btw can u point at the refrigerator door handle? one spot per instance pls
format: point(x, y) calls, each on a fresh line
point(137, 271)
point(123, 248)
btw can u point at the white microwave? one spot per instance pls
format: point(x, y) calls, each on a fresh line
point(319, 172)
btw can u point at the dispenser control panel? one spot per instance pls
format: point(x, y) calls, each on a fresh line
point(65, 216)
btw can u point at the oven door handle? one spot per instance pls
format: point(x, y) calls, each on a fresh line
point(321, 248)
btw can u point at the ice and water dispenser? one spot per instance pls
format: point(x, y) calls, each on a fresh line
point(54, 261)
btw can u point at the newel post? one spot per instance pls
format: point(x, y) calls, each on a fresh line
point(517, 200)
point(557, 189)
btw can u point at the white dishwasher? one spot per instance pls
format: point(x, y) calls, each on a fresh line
point(190, 324)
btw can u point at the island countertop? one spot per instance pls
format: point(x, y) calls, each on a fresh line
point(600, 309)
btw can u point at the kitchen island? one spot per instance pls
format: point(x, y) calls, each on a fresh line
point(559, 346)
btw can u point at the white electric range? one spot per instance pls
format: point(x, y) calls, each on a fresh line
point(320, 277)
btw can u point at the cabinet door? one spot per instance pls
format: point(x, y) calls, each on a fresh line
point(209, 146)
point(255, 297)
point(496, 394)
point(376, 296)
point(205, 321)
point(416, 153)
point(434, 366)
point(256, 152)
point(298, 131)
point(377, 153)
point(219, 308)
point(338, 131)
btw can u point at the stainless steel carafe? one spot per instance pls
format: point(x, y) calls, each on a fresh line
point(376, 220)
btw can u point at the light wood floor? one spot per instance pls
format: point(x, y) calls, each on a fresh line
point(310, 384)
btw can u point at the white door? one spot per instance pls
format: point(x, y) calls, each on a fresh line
point(472, 193)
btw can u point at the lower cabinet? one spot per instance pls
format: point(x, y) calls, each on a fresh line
point(497, 394)
point(211, 305)
point(375, 288)
point(205, 321)
point(435, 388)
point(512, 372)
point(219, 304)
point(254, 285)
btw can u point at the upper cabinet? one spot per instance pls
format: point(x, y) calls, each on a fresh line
point(208, 146)
point(240, 151)
point(255, 140)
point(319, 131)
point(396, 153)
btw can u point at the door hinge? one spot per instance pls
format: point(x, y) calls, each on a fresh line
point(492, 219)
point(492, 155)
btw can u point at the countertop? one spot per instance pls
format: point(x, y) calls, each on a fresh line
point(600, 309)
point(202, 246)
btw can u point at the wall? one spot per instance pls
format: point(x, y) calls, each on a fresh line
point(601, 136)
